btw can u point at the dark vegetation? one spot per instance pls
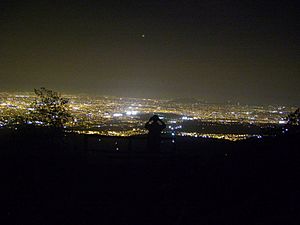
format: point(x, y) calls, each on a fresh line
point(50, 108)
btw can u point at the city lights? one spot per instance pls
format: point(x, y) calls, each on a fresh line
point(114, 116)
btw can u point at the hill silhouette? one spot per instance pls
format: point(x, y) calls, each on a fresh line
point(58, 180)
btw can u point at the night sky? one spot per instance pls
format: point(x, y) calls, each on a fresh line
point(246, 52)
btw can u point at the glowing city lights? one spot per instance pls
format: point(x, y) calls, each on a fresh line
point(113, 116)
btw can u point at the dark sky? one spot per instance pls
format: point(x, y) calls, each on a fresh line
point(214, 50)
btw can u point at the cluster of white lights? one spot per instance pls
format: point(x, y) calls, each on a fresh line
point(34, 122)
point(128, 113)
point(186, 118)
point(117, 114)
point(131, 113)
point(282, 122)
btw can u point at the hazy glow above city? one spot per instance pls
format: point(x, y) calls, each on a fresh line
point(219, 51)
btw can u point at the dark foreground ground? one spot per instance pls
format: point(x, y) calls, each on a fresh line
point(203, 182)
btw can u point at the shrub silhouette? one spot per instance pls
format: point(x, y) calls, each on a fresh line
point(294, 118)
point(50, 109)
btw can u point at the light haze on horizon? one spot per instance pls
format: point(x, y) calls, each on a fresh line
point(217, 51)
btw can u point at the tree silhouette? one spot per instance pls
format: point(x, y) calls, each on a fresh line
point(50, 108)
point(294, 118)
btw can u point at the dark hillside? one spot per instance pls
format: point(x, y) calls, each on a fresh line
point(58, 180)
